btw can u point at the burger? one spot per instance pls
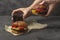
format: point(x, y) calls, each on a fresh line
point(19, 27)
point(40, 10)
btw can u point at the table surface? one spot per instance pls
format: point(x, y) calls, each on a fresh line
point(52, 32)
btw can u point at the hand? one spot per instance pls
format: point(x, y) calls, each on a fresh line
point(46, 15)
point(19, 9)
point(24, 10)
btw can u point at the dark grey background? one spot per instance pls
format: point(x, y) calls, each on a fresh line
point(7, 6)
point(52, 32)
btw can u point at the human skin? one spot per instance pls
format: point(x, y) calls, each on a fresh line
point(51, 3)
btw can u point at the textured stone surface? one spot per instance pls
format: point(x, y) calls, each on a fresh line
point(52, 32)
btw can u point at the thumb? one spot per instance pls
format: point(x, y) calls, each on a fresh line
point(26, 15)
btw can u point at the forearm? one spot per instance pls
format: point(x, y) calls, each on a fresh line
point(51, 7)
point(34, 3)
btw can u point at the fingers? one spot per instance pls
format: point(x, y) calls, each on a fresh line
point(13, 12)
point(19, 9)
point(12, 18)
point(24, 10)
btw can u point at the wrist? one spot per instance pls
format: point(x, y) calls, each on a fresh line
point(29, 8)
